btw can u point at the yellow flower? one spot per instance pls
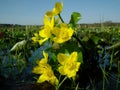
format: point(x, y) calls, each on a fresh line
point(56, 10)
point(41, 63)
point(36, 37)
point(69, 65)
point(45, 33)
point(48, 76)
point(62, 34)
point(45, 70)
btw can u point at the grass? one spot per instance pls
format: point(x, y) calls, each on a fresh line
point(96, 39)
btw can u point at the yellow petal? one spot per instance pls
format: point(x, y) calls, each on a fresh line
point(64, 25)
point(71, 74)
point(55, 31)
point(62, 58)
point(35, 39)
point(37, 70)
point(45, 33)
point(69, 65)
point(73, 56)
point(61, 70)
point(49, 21)
point(45, 55)
point(48, 76)
point(73, 69)
point(42, 41)
point(49, 14)
point(58, 8)
point(42, 78)
point(53, 80)
point(58, 40)
point(62, 34)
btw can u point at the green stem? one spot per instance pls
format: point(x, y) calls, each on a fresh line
point(61, 83)
point(111, 59)
point(117, 85)
point(80, 42)
point(103, 87)
point(61, 18)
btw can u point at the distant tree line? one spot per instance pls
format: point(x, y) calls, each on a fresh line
point(106, 23)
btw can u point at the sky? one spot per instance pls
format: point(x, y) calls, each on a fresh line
point(31, 12)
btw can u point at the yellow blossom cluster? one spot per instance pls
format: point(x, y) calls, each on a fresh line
point(45, 70)
point(59, 33)
point(68, 65)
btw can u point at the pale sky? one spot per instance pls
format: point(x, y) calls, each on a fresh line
point(31, 12)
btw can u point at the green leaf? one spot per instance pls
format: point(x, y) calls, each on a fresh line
point(75, 17)
point(85, 38)
point(19, 45)
point(114, 46)
point(80, 57)
point(54, 57)
point(66, 51)
point(69, 47)
point(95, 39)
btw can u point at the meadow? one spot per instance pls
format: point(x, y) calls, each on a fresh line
point(60, 55)
point(100, 69)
